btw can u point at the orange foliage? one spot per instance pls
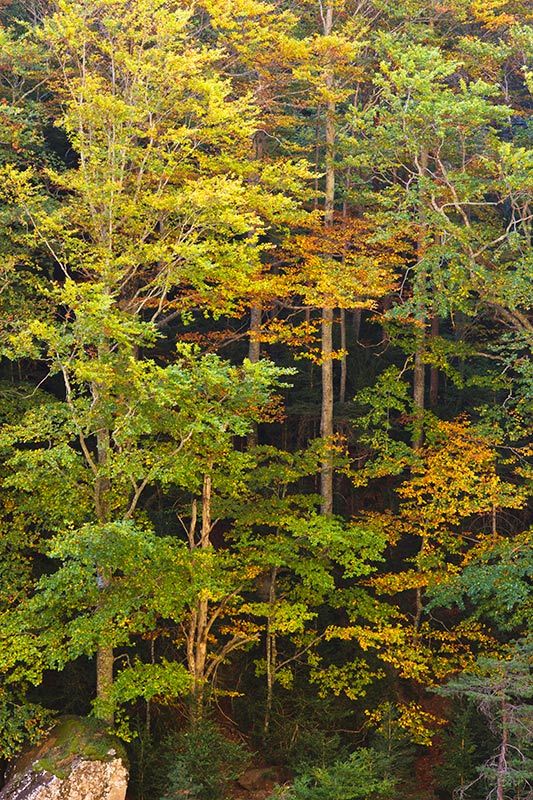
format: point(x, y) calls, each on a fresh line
point(345, 265)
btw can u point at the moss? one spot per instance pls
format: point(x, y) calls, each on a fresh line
point(74, 737)
point(48, 765)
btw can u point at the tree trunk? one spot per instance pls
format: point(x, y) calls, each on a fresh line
point(104, 654)
point(434, 372)
point(419, 378)
point(502, 757)
point(254, 347)
point(254, 354)
point(104, 680)
point(326, 420)
point(271, 652)
point(460, 331)
point(256, 311)
point(357, 324)
point(387, 305)
point(199, 622)
point(344, 365)
point(419, 373)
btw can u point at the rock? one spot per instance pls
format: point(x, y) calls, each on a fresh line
point(262, 778)
point(87, 780)
point(78, 760)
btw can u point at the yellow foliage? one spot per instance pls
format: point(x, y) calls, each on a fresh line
point(455, 479)
point(343, 266)
point(405, 720)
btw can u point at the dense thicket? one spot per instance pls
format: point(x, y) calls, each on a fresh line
point(266, 389)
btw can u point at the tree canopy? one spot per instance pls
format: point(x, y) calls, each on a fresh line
point(265, 335)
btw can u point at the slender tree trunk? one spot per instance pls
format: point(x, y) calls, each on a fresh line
point(326, 420)
point(460, 332)
point(419, 607)
point(254, 347)
point(387, 304)
point(502, 757)
point(344, 365)
point(198, 625)
point(344, 361)
point(256, 311)
point(148, 707)
point(419, 373)
point(317, 155)
point(254, 354)
point(271, 651)
point(104, 654)
point(434, 372)
point(419, 378)
point(356, 324)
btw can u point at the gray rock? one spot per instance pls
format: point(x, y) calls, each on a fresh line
point(77, 761)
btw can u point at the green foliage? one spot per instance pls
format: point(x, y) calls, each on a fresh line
point(312, 747)
point(21, 722)
point(388, 402)
point(465, 746)
point(71, 614)
point(163, 166)
point(362, 775)
point(202, 762)
point(496, 582)
point(501, 689)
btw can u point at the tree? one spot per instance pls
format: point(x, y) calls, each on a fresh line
point(501, 689)
point(153, 205)
point(98, 598)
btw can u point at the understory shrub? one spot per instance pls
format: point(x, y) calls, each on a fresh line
point(362, 776)
point(202, 763)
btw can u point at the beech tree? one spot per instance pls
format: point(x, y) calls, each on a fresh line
point(155, 206)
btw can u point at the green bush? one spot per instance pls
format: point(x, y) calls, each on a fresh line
point(314, 748)
point(302, 730)
point(359, 777)
point(148, 764)
point(202, 763)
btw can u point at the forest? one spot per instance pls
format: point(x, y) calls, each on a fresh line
point(267, 394)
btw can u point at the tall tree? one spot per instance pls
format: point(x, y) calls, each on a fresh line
point(153, 207)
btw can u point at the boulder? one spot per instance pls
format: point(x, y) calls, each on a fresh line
point(262, 779)
point(79, 760)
